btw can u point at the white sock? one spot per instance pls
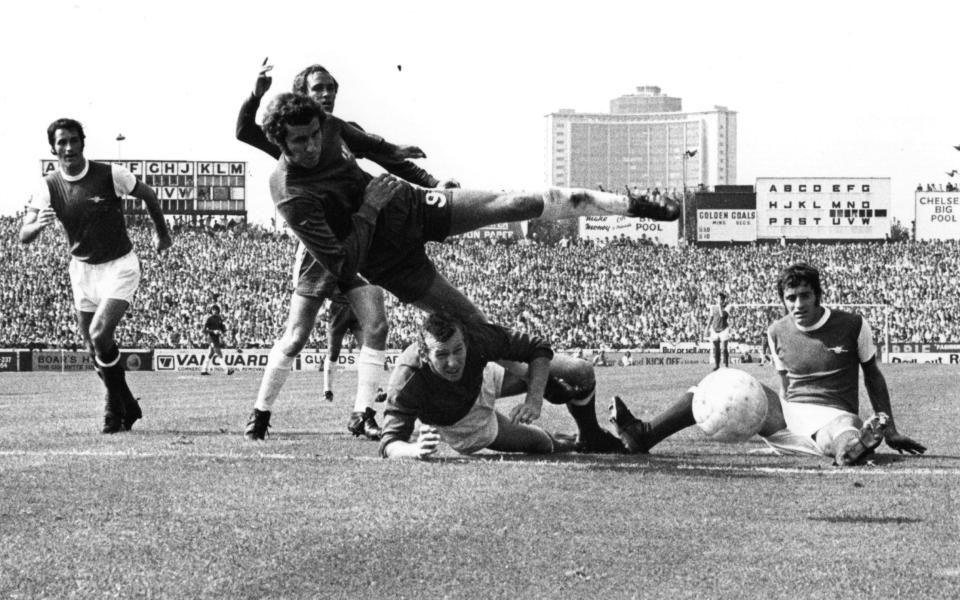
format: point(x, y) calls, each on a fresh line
point(369, 367)
point(275, 375)
point(567, 203)
point(328, 374)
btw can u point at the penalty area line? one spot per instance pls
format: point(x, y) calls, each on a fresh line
point(586, 464)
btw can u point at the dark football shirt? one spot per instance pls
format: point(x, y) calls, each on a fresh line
point(415, 391)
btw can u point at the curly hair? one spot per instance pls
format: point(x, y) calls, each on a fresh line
point(289, 109)
point(300, 81)
point(799, 274)
point(65, 124)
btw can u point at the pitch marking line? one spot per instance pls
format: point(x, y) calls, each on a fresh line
point(583, 465)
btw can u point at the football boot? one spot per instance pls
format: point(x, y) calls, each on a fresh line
point(257, 425)
point(364, 424)
point(661, 209)
point(632, 431)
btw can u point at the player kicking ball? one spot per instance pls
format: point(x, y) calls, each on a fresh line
point(450, 381)
point(819, 353)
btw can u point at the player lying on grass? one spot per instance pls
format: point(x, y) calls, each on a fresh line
point(449, 380)
point(819, 353)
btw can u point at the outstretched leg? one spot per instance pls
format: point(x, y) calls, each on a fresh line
point(472, 209)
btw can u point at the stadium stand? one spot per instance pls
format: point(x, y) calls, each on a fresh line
point(583, 295)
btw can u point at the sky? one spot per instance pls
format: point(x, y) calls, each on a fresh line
point(822, 89)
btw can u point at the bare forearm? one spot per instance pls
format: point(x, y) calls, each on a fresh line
point(29, 232)
point(878, 393)
point(537, 374)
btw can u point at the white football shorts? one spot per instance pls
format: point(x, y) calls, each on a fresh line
point(722, 335)
point(92, 284)
point(807, 419)
point(478, 428)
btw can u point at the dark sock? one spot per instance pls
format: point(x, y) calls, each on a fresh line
point(726, 356)
point(115, 380)
point(586, 417)
point(676, 417)
point(716, 355)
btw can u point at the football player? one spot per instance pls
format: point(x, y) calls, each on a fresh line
point(819, 353)
point(86, 197)
point(450, 381)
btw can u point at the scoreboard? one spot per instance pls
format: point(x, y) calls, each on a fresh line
point(185, 187)
point(823, 208)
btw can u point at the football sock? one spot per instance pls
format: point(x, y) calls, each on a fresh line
point(726, 355)
point(567, 203)
point(584, 412)
point(716, 354)
point(676, 417)
point(329, 374)
point(274, 376)
point(112, 373)
point(369, 366)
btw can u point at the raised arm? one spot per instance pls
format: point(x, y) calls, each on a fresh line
point(362, 143)
point(248, 131)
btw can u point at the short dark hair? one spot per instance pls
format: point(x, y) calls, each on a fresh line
point(289, 109)
point(214, 308)
point(441, 325)
point(799, 274)
point(65, 124)
point(722, 296)
point(300, 81)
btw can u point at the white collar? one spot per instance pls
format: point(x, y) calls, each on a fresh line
point(818, 324)
point(81, 175)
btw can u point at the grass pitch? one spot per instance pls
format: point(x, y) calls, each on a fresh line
point(184, 507)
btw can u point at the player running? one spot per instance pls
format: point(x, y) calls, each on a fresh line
point(449, 380)
point(819, 353)
point(86, 197)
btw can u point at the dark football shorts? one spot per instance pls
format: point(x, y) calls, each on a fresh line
point(312, 280)
point(397, 260)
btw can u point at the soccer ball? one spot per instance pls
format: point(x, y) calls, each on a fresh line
point(729, 405)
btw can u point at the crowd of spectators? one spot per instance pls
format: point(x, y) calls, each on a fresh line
point(581, 295)
point(933, 187)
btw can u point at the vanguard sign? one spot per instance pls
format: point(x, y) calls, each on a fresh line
point(823, 208)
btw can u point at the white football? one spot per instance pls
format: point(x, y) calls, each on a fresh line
point(729, 405)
